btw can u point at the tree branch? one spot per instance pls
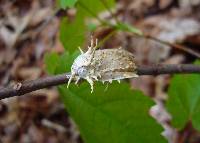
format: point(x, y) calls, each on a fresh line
point(29, 86)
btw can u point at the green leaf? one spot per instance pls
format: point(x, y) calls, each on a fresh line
point(59, 64)
point(91, 8)
point(51, 61)
point(65, 62)
point(184, 100)
point(91, 26)
point(72, 34)
point(117, 115)
point(129, 28)
point(67, 3)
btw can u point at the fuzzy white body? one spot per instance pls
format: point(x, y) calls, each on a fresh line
point(103, 65)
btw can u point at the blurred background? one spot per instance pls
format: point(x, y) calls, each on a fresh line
point(31, 28)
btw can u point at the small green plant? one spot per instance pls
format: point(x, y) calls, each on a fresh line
point(119, 114)
point(184, 100)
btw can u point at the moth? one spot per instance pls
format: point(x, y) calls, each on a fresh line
point(103, 65)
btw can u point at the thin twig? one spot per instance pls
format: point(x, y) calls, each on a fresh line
point(108, 36)
point(29, 86)
point(103, 22)
point(176, 46)
point(109, 10)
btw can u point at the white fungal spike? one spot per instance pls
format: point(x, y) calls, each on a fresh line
point(106, 87)
point(90, 52)
point(70, 79)
point(91, 83)
point(118, 81)
point(96, 43)
point(80, 50)
point(77, 80)
point(103, 65)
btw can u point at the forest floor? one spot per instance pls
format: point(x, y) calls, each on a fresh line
point(28, 30)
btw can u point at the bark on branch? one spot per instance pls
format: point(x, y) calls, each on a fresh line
point(29, 86)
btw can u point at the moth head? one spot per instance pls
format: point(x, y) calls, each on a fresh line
point(82, 62)
point(81, 65)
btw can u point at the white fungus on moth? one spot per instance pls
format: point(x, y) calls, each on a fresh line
point(103, 65)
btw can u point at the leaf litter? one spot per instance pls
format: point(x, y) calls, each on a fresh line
point(40, 116)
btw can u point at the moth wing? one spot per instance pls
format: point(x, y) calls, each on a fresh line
point(117, 76)
point(114, 59)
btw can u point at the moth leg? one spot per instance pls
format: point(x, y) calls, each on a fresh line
point(106, 88)
point(118, 81)
point(80, 50)
point(70, 79)
point(77, 80)
point(91, 83)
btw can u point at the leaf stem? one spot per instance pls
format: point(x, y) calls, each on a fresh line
point(108, 36)
point(176, 46)
point(110, 11)
point(92, 14)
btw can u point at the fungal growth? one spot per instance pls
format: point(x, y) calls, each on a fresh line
point(103, 65)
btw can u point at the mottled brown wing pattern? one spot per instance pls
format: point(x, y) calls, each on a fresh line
point(114, 64)
point(103, 65)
